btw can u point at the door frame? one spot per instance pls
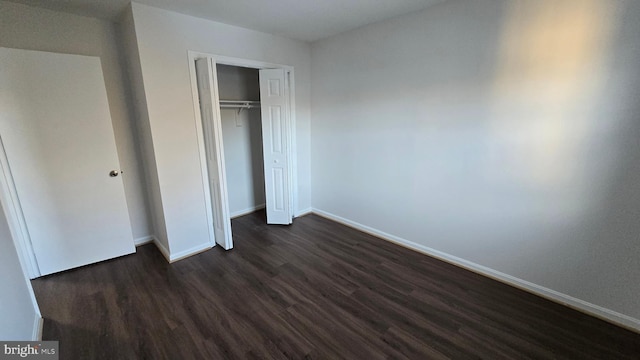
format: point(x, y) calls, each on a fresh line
point(19, 235)
point(15, 218)
point(291, 126)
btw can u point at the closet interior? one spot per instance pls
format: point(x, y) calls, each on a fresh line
point(239, 93)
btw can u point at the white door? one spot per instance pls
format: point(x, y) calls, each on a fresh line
point(214, 152)
point(56, 128)
point(275, 137)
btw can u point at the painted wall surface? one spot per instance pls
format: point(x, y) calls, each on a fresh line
point(31, 28)
point(242, 139)
point(504, 133)
point(19, 310)
point(130, 58)
point(164, 39)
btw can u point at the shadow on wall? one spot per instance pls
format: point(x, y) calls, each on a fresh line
point(405, 114)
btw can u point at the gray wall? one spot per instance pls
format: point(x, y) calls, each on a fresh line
point(242, 139)
point(164, 39)
point(502, 133)
point(130, 60)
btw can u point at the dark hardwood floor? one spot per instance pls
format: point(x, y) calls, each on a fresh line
point(315, 289)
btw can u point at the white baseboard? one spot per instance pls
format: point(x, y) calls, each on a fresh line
point(304, 212)
point(171, 257)
point(600, 312)
point(163, 249)
point(38, 325)
point(190, 252)
point(143, 240)
point(247, 211)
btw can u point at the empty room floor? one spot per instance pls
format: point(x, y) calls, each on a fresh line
point(315, 289)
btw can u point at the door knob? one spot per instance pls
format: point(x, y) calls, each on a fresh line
point(114, 173)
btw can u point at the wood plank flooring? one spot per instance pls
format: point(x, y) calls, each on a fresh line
point(315, 289)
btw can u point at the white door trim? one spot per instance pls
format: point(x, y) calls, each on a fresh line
point(226, 60)
point(20, 236)
point(15, 218)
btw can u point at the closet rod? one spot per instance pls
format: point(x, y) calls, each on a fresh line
point(239, 104)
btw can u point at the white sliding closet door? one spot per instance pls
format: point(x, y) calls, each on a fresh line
point(56, 130)
point(214, 153)
point(275, 137)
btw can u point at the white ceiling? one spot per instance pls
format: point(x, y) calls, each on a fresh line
point(307, 20)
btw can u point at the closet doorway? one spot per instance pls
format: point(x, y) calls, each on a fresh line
point(240, 115)
point(245, 122)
